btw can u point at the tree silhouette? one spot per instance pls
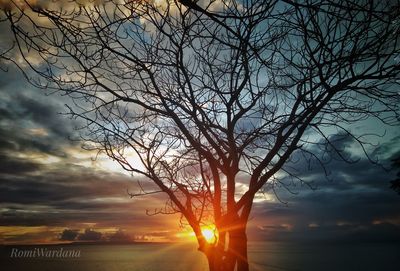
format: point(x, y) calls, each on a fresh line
point(395, 184)
point(214, 96)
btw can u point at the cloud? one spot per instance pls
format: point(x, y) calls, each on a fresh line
point(30, 121)
point(11, 165)
point(95, 235)
point(37, 189)
point(45, 181)
point(348, 233)
point(355, 203)
point(90, 235)
point(119, 236)
point(69, 235)
point(72, 195)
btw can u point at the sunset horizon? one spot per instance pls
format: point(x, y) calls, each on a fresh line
point(199, 135)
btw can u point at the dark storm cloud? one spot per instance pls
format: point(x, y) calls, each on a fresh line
point(35, 193)
point(22, 216)
point(94, 235)
point(69, 235)
point(351, 233)
point(20, 119)
point(330, 208)
point(75, 194)
point(62, 185)
point(28, 237)
point(60, 193)
point(347, 171)
point(11, 165)
point(63, 193)
point(90, 235)
point(30, 119)
point(119, 236)
point(354, 203)
point(45, 114)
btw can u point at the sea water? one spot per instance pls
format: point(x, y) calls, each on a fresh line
point(266, 256)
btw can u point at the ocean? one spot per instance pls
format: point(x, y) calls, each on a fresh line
point(271, 256)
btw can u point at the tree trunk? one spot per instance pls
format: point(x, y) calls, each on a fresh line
point(215, 259)
point(235, 257)
point(238, 249)
point(212, 265)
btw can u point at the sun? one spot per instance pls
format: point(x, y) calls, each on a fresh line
point(210, 234)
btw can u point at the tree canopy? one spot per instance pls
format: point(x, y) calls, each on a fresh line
point(210, 95)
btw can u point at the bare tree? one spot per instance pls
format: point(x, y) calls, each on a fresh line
point(210, 94)
point(395, 184)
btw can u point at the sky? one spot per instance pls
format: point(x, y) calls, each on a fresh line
point(51, 190)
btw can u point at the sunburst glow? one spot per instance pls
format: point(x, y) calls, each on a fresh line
point(210, 234)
